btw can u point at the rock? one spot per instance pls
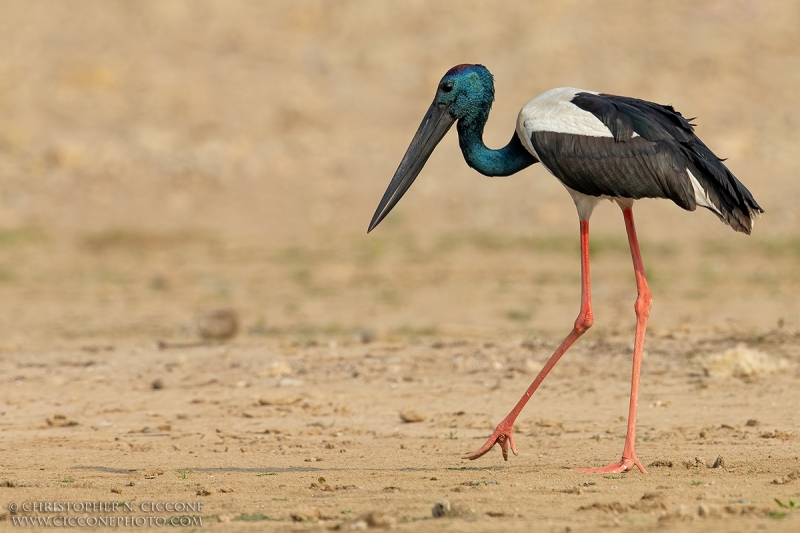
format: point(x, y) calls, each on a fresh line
point(444, 508)
point(703, 510)
point(60, 421)
point(411, 416)
point(719, 462)
point(441, 508)
point(286, 400)
point(365, 336)
point(743, 362)
point(217, 324)
point(157, 384)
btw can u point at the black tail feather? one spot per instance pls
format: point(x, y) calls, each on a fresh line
point(736, 204)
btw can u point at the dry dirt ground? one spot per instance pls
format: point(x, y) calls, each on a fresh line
point(159, 160)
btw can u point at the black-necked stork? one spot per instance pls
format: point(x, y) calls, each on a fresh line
point(600, 147)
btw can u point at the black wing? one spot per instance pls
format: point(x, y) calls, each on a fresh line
point(652, 164)
point(599, 166)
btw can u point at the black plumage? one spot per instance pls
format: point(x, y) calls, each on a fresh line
point(652, 164)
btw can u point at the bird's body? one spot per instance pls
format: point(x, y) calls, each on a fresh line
point(599, 146)
point(605, 146)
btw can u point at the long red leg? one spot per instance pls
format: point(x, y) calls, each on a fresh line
point(642, 308)
point(503, 434)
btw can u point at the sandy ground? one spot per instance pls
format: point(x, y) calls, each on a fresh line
point(308, 436)
point(162, 160)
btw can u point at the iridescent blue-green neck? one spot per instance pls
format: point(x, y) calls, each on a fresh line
point(468, 91)
point(508, 160)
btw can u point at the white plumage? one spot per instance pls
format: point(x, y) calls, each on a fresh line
point(554, 111)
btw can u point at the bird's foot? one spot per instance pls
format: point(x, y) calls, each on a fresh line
point(503, 435)
point(623, 465)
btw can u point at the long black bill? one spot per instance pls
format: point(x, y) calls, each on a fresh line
point(436, 123)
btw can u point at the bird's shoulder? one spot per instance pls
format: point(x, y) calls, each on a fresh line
point(554, 111)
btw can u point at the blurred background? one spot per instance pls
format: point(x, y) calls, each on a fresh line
point(162, 158)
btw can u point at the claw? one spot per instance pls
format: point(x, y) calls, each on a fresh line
point(623, 465)
point(502, 436)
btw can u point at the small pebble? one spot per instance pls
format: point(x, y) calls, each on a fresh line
point(441, 508)
point(217, 324)
point(411, 416)
point(366, 336)
point(286, 400)
point(444, 508)
point(157, 384)
point(60, 421)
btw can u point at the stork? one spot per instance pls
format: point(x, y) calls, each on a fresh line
point(600, 147)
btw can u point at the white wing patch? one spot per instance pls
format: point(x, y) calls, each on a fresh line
point(700, 195)
point(554, 111)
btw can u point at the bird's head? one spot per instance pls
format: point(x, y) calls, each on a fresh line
point(464, 93)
